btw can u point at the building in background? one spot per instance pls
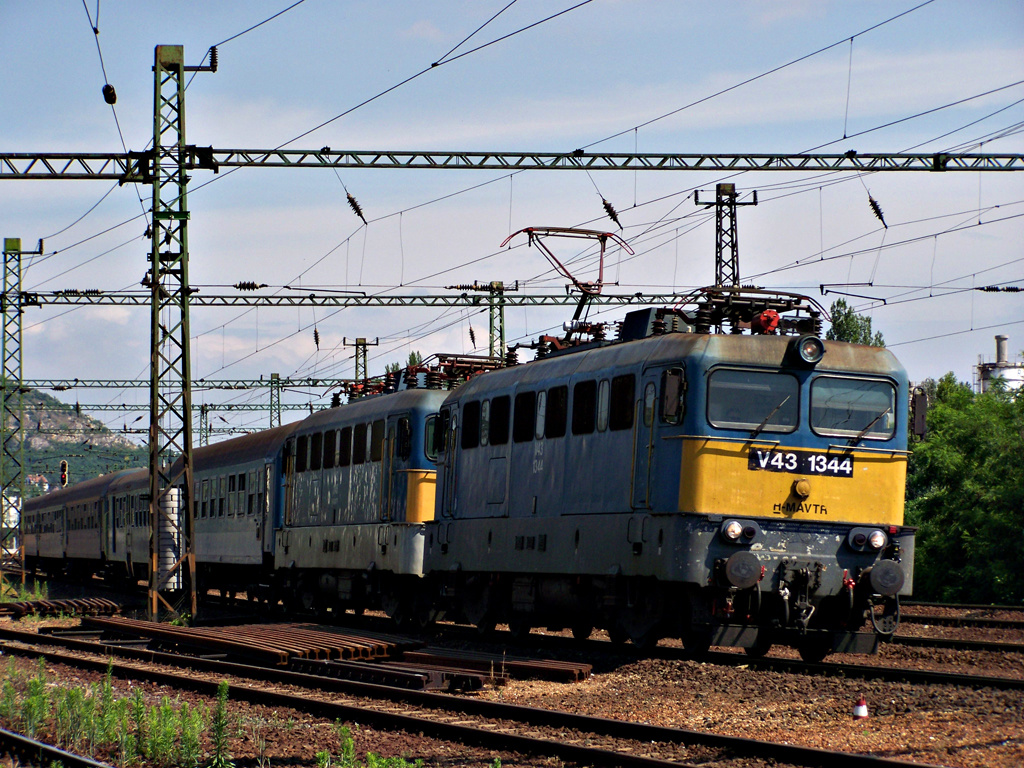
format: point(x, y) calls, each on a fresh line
point(1010, 371)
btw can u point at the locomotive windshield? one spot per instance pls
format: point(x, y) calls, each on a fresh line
point(848, 407)
point(753, 400)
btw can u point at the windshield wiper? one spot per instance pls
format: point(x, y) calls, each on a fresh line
point(768, 418)
point(860, 435)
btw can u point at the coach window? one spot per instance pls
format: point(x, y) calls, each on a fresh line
point(485, 422)
point(205, 497)
point(621, 403)
point(500, 412)
point(345, 449)
point(471, 424)
point(222, 492)
point(558, 412)
point(755, 401)
point(359, 444)
point(252, 492)
point(231, 495)
point(301, 453)
point(542, 410)
point(377, 441)
point(584, 402)
point(603, 404)
point(330, 448)
point(240, 504)
point(316, 451)
point(524, 416)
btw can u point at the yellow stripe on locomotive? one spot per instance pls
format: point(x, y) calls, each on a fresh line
point(757, 479)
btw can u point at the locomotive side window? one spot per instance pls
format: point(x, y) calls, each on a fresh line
point(650, 393)
point(584, 405)
point(330, 448)
point(301, 453)
point(542, 410)
point(471, 424)
point(621, 403)
point(485, 422)
point(404, 449)
point(377, 440)
point(558, 412)
point(673, 393)
point(436, 434)
point(603, 404)
point(316, 451)
point(847, 407)
point(359, 444)
point(523, 418)
point(345, 447)
point(501, 408)
point(753, 400)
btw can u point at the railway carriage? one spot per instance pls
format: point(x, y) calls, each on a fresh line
point(727, 489)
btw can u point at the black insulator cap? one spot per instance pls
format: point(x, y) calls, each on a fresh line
point(109, 94)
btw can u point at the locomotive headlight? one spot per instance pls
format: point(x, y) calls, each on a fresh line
point(811, 349)
point(732, 530)
point(877, 540)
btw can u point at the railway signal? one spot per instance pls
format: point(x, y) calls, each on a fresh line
point(63, 473)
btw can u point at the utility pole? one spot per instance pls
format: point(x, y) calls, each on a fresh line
point(361, 345)
point(727, 244)
point(172, 568)
point(495, 310)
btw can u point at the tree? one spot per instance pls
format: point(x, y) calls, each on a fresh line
point(415, 358)
point(847, 325)
point(965, 491)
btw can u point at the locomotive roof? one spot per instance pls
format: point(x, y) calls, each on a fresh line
point(705, 349)
point(77, 493)
point(373, 407)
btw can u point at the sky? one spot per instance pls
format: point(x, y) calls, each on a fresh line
point(785, 76)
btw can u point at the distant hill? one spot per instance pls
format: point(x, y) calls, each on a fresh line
point(56, 431)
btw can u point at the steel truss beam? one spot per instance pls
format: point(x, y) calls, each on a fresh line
point(97, 298)
point(139, 166)
point(61, 385)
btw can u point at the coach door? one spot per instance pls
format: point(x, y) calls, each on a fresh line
point(451, 443)
point(263, 498)
point(643, 440)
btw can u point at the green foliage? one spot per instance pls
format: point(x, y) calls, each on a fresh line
point(847, 325)
point(965, 491)
point(415, 358)
point(221, 758)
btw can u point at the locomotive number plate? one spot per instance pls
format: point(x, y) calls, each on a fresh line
point(800, 463)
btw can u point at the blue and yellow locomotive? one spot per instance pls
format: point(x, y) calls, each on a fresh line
point(728, 489)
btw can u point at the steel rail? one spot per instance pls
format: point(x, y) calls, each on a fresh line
point(961, 621)
point(28, 752)
point(867, 672)
point(138, 166)
point(961, 606)
point(461, 733)
point(960, 645)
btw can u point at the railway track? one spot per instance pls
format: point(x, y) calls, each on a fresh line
point(961, 621)
point(959, 645)
point(499, 726)
point(24, 751)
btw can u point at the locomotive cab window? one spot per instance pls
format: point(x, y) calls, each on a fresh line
point(847, 407)
point(316, 450)
point(753, 400)
point(345, 447)
point(673, 394)
point(330, 449)
point(622, 400)
point(377, 440)
point(558, 411)
point(436, 433)
point(359, 444)
point(404, 438)
point(301, 453)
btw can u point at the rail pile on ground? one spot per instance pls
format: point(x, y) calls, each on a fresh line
point(88, 606)
point(274, 644)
